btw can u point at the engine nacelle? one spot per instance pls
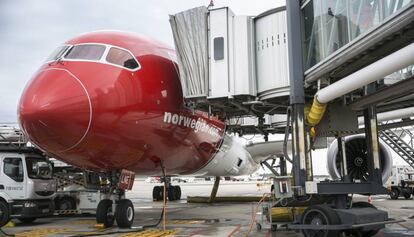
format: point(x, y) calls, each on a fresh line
point(232, 159)
point(356, 156)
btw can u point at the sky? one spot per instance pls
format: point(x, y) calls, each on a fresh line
point(31, 30)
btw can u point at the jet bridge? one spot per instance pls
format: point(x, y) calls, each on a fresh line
point(321, 64)
point(233, 65)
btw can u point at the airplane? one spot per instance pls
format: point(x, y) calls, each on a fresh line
point(111, 102)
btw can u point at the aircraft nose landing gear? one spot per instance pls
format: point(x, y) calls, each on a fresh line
point(115, 206)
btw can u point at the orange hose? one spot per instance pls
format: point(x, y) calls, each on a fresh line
point(164, 204)
point(254, 214)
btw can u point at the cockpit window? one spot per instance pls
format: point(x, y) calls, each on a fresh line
point(122, 58)
point(86, 52)
point(58, 53)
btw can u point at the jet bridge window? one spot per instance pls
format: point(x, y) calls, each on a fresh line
point(218, 48)
point(122, 58)
point(86, 52)
point(13, 168)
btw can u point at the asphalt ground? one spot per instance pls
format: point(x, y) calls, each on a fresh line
point(195, 219)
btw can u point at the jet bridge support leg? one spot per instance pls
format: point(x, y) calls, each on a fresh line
point(215, 189)
point(297, 96)
point(338, 215)
point(371, 134)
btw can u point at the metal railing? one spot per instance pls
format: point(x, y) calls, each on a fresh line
point(401, 140)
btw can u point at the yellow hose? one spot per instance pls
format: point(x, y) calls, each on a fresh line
point(316, 113)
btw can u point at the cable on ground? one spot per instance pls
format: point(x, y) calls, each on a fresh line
point(254, 213)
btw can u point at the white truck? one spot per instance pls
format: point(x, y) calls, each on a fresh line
point(401, 182)
point(27, 187)
point(75, 192)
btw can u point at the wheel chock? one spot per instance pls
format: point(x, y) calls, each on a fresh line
point(99, 226)
point(10, 224)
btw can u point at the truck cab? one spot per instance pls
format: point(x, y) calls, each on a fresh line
point(27, 187)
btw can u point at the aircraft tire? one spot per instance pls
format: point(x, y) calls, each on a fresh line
point(171, 193)
point(104, 213)
point(124, 213)
point(157, 193)
point(177, 192)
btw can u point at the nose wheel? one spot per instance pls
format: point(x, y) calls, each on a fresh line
point(124, 213)
point(104, 213)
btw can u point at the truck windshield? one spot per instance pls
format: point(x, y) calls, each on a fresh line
point(38, 168)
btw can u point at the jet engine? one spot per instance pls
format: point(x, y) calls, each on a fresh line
point(356, 159)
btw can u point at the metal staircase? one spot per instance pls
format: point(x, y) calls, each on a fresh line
point(397, 140)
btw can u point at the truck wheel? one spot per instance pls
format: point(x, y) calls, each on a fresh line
point(4, 213)
point(104, 214)
point(394, 194)
point(320, 215)
point(65, 203)
point(27, 220)
point(124, 213)
point(407, 195)
point(367, 233)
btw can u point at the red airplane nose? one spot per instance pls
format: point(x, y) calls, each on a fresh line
point(55, 110)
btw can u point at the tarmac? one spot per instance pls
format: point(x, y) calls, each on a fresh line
point(195, 219)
